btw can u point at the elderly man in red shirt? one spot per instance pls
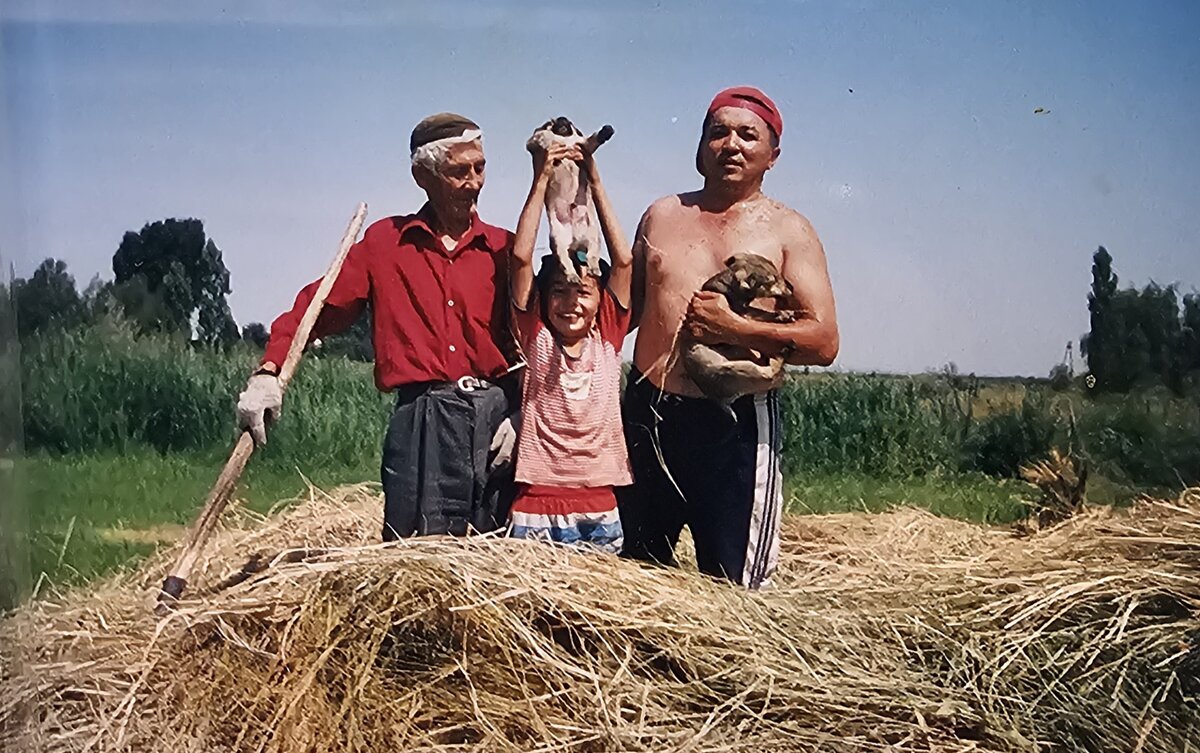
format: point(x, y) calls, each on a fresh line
point(437, 284)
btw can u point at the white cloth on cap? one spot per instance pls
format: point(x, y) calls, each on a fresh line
point(434, 153)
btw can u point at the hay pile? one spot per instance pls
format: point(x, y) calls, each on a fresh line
point(896, 632)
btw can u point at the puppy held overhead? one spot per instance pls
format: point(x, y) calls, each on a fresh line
point(569, 206)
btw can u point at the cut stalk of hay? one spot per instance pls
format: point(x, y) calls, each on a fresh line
point(1062, 480)
point(894, 632)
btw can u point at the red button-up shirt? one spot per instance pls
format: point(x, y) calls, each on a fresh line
point(438, 314)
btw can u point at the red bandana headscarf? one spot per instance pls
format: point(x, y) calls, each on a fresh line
point(747, 98)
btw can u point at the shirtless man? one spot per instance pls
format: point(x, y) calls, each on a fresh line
point(694, 462)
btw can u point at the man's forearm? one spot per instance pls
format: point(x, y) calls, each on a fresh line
point(806, 342)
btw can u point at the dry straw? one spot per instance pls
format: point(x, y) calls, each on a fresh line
point(896, 632)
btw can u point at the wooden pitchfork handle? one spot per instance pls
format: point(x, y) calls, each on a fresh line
point(218, 496)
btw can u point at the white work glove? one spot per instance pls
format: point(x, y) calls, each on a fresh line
point(504, 441)
point(259, 405)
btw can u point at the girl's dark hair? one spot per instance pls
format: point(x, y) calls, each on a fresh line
point(552, 270)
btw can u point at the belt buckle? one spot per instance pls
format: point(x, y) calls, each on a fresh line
point(468, 383)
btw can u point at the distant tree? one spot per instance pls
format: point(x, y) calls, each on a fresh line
point(47, 299)
point(1157, 317)
point(1060, 378)
point(1099, 345)
point(1130, 357)
point(97, 299)
point(255, 333)
point(183, 280)
point(145, 309)
point(355, 343)
point(8, 324)
point(1189, 343)
point(1138, 336)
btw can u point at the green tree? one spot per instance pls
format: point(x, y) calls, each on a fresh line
point(1060, 378)
point(1130, 348)
point(14, 519)
point(183, 281)
point(256, 334)
point(1189, 342)
point(354, 343)
point(1136, 336)
point(1189, 336)
point(47, 299)
point(146, 310)
point(1099, 345)
point(1157, 317)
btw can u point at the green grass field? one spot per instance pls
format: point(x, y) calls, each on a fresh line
point(91, 514)
point(126, 434)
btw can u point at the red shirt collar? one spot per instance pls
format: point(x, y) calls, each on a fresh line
point(423, 220)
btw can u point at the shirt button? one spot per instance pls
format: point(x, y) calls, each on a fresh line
point(451, 348)
point(450, 303)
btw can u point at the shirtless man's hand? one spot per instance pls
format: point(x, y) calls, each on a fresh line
point(710, 320)
point(685, 239)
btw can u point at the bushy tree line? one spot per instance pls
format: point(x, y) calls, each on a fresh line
point(1140, 337)
point(168, 278)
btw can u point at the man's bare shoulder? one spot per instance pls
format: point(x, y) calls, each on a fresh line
point(793, 227)
point(666, 208)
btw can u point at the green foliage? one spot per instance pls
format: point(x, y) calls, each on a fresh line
point(256, 334)
point(1060, 378)
point(182, 276)
point(1146, 439)
point(98, 512)
point(1099, 345)
point(1189, 335)
point(355, 343)
point(104, 388)
point(966, 496)
point(48, 299)
point(867, 425)
point(999, 444)
point(14, 549)
point(332, 415)
point(1138, 337)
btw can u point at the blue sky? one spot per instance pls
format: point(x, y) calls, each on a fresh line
point(959, 225)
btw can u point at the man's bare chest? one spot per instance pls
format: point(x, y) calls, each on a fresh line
point(680, 254)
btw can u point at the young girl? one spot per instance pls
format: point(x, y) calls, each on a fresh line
point(570, 446)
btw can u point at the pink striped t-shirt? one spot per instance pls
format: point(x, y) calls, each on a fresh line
point(571, 431)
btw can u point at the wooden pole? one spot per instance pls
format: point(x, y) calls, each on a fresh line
point(218, 497)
